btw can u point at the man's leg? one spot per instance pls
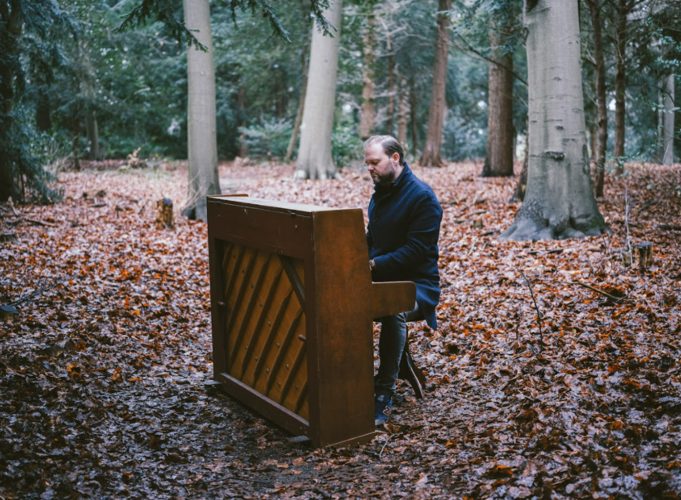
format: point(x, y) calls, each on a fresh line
point(390, 348)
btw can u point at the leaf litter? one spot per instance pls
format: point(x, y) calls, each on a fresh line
point(555, 370)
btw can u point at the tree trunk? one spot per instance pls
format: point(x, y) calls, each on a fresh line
point(438, 106)
point(87, 87)
point(668, 121)
point(620, 82)
point(602, 134)
point(301, 102)
point(403, 113)
point(202, 149)
point(392, 92)
point(559, 202)
point(521, 186)
point(314, 154)
point(368, 109)
point(92, 133)
point(413, 99)
point(499, 159)
point(11, 23)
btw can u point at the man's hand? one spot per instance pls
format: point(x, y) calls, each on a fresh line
point(372, 265)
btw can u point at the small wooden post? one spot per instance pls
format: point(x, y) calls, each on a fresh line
point(164, 214)
point(645, 255)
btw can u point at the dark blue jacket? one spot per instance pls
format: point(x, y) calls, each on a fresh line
point(404, 226)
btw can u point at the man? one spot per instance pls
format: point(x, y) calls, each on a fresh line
point(404, 226)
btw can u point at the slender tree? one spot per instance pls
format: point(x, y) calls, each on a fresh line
point(368, 107)
point(436, 112)
point(500, 136)
point(559, 202)
point(86, 75)
point(202, 151)
point(668, 109)
point(621, 12)
point(595, 7)
point(314, 154)
point(391, 84)
point(293, 140)
point(403, 111)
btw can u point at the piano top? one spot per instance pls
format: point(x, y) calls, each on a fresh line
point(243, 200)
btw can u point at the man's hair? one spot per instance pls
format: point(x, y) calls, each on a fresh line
point(389, 144)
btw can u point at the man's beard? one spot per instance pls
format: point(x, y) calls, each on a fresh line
point(383, 180)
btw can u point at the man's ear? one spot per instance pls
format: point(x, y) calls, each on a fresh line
point(395, 157)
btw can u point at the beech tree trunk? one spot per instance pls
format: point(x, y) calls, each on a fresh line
point(301, 103)
point(436, 113)
point(668, 121)
point(620, 82)
point(314, 154)
point(368, 109)
point(202, 147)
point(559, 202)
point(499, 159)
point(602, 129)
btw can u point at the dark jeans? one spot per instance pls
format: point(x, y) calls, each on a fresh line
point(390, 348)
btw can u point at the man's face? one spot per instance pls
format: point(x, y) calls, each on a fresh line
point(383, 168)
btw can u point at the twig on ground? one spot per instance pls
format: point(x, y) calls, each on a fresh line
point(536, 308)
point(41, 222)
point(380, 453)
point(611, 297)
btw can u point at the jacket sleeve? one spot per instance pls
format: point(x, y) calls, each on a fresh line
point(422, 236)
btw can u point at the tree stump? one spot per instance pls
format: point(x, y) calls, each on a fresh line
point(164, 214)
point(645, 255)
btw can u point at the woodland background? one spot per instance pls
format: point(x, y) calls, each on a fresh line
point(555, 371)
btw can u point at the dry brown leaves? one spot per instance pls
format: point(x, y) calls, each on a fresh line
point(102, 367)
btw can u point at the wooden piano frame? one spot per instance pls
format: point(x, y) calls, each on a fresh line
point(292, 305)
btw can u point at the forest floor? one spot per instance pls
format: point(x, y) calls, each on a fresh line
point(102, 369)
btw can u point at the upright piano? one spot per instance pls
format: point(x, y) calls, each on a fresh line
point(292, 306)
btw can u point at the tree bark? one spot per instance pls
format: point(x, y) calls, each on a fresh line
point(314, 154)
point(668, 121)
point(413, 99)
point(438, 106)
point(620, 82)
point(392, 92)
point(87, 87)
point(403, 113)
point(301, 102)
point(499, 159)
point(201, 123)
point(368, 109)
point(92, 130)
point(521, 186)
point(602, 130)
point(559, 202)
point(11, 23)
